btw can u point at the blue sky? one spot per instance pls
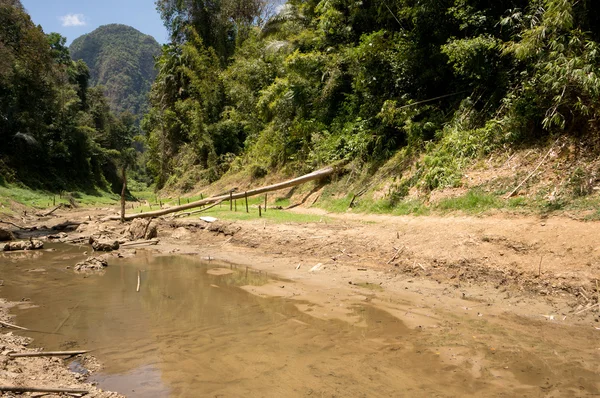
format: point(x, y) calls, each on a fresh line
point(73, 18)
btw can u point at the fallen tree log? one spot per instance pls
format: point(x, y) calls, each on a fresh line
point(10, 325)
point(49, 212)
point(46, 354)
point(15, 225)
point(315, 175)
point(151, 242)
point(22, 389)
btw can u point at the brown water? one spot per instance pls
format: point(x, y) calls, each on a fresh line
point(190, 333)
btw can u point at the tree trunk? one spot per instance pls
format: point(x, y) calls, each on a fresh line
point(124, 170)
point(286, 184)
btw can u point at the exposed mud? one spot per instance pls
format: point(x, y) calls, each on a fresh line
point(455, 306)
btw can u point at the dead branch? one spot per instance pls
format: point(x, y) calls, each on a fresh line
point(46, 354)
point(10, 325)
point(398, 252)
point(15, 225)
point(533, 172)
point(51, 211)
point(275, 187)
point(143, 242)
point(587, 308)
point(22, 389)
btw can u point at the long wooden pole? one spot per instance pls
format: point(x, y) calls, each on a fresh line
point(46, 354)
point(38, 389)
point(269, 188)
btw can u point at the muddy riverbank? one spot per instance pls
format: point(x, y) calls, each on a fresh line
point(505, 303)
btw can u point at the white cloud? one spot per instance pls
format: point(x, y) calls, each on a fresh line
point(73, 20)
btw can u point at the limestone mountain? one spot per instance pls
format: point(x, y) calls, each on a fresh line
point(121, 59)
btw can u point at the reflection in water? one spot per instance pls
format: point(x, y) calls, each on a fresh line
point(190, 333)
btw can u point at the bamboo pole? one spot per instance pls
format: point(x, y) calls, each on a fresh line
point(22, 389)
point(46, 354)
point(286, 184)
point(10, 325)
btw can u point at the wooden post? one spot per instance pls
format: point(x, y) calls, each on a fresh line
point(259, 211)
point(124, 170)
point(178, 201)
point(54, 200)
point(265, 203)
point(246, 197)
point(188, 200)
point(230, 201)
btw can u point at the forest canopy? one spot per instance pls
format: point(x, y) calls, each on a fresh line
point(56, 132)
point(322, 81)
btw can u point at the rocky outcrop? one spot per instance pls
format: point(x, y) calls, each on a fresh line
point(91, 264)
point(105, 245)
point(142, 229)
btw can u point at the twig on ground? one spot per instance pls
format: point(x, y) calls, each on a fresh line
point(10, 325)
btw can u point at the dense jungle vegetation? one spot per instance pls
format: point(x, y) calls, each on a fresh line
point(425, 85)
point(56, 131)
point(121, 59)
point(441, 81)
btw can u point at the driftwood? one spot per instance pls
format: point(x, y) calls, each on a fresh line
point(398, 252)
point(143, 242)
point(15, 225)
point(67, 224)
point(22, 389)
point(587, 308)
point(240, 195)
point(51, 211)
point(10, 325)
point(46, 354)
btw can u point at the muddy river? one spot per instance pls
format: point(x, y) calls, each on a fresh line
point(192, 331)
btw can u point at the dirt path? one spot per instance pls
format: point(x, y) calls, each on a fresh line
point(506, 299)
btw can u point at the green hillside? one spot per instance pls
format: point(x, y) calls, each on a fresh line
point(121, 59)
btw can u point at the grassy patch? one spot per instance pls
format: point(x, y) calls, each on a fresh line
point(44, 199)
point(222, 211)
point(475, 201)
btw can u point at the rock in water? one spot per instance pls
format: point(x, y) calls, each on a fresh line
point(6, 235)
point(32, 244)
point(105, 245)
point(91, 264)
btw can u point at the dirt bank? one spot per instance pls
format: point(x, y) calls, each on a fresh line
point(510, 300)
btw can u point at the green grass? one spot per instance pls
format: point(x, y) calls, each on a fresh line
point(44, 199)
point(475, 201)
point(222, 211)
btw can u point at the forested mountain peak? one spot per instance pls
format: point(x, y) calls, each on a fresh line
point(121, 59)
